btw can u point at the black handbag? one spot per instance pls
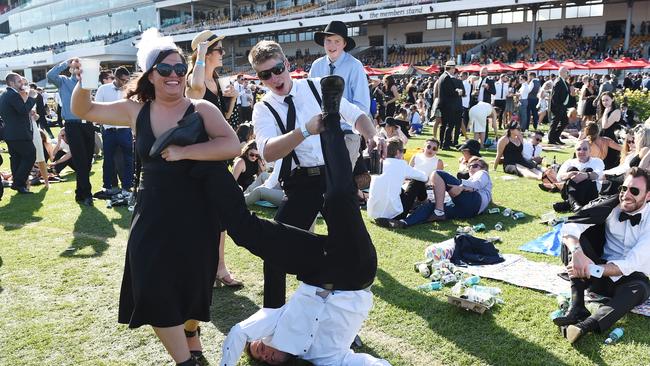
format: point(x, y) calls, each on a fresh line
point(188, 132)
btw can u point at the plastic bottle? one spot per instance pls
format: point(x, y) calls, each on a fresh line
point(479, 227)
point(498, 226)
point(507, 212)
point(480, 297)
point(431, 286)
point(494, 291)
point(471, 281)
point(614, 336)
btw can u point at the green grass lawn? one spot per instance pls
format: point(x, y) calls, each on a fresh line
point(59, 307)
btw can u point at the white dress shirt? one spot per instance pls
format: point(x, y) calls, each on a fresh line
point(309, 151)
point(524, 89)
point(595, 164)
point(482, 184)
point(109, 93)
point(626, 246)
point(479, 86)
point(468, 93)
point(384, 195)
point(315, 329)
point(502, 90)
point(531, 151)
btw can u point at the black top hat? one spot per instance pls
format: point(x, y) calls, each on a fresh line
point(473, 146)
point(335, 27)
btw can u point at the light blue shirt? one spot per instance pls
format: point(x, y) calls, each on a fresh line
point(66, 86)
point(351, 70)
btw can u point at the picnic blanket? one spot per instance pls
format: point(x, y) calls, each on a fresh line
point(519, 271)
point(549, 243)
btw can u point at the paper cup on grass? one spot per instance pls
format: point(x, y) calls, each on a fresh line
point(224, 81)
point(90, 73)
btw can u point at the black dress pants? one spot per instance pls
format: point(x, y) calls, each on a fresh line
point(414, 189)
point(22, 155)
point(81, 139)
point(579, 193)
point(559, 121)
point(450, 119)
point(626, 293)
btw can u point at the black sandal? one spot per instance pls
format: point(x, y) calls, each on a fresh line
point(197, 356)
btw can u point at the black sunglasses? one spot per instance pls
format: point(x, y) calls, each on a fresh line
point(277, 70)
point(635, 191)
point(166, 69)
point(430, 147)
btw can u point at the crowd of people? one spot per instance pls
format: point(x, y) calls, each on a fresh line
point(316, 145)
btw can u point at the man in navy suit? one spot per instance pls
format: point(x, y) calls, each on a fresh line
point(15, 106)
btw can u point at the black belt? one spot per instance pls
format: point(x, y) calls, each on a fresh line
point(308, 172)
point(343, 286)
point(112, 129)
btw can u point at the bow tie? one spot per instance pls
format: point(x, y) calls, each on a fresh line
point(634, 219)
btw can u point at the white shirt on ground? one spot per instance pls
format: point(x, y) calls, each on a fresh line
point(309, 151)
point(109, 93)
point(384, 195)
point(626, 246)
point(312, 328)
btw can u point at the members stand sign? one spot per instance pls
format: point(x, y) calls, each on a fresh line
point(392, 13)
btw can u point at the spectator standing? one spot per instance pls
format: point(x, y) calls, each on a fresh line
point(15, 107)
point(116, 137)
point(80, 134)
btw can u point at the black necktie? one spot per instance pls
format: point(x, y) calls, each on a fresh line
point(291, 125)
point(634, 219)
point(502, 85)
point(332, 67)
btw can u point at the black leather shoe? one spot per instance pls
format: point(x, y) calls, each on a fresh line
point(332, 88)
point(22, 190)
point(87, 202)
point(562, 206)
point(574, 316)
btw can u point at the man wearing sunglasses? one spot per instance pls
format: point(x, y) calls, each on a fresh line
point(286, 125)
point(609, 253)
point(581, 177)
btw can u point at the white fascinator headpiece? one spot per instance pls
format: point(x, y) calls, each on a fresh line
point(150, 46)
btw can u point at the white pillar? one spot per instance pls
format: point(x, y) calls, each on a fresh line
point(454, 23)
point(533, 36)
point(192, 12)
point(628, 24)
point(385, 53)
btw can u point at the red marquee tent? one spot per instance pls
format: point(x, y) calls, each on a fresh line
point(521, 65)
point(470, 68)
point(499, 67)
point(433, 69)
point(572, 65)
point(298, 74)
point(609, 63)
point(372, 72)
point(546, 65)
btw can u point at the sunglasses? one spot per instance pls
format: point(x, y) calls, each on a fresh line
point(434, 148)
point(635, 191)
point(538, 139)
point(581, 149)
point(166, 69)
point(630, 141)
point(253, 156)
point(220, 50)
point(275, 70)
point(474, 166)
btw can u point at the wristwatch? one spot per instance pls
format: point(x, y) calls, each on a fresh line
point(304, 131)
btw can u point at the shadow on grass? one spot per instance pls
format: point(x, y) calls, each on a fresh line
point(229, 308)
point(469, 330)
point(90, 219)
point(21, 208)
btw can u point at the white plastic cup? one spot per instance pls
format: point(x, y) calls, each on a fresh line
point(90, 73)
point(224, 82)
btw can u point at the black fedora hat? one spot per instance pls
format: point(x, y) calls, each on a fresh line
point(335, 27)
point(473, 146)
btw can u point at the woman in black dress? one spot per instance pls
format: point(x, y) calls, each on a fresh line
point(391, 95)
point(609, 125)
point(510, 148)
point(248, 167)
point(203, 83)
point(171, 254)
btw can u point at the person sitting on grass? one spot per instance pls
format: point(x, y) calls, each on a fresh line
point(426, 161)
point(615, 241)
point(387, 200)
point(510, 148)
point(601, 147)
point(469, 149)
point(415, 120)
point(581, 177)
point(249, 169)
point(391, 128)
point(533, 148)
point(470, 196)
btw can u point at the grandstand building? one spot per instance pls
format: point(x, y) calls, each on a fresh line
point(36, 34)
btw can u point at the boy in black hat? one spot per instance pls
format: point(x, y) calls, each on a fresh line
point(337, 61)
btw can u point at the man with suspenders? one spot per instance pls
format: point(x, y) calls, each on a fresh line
point(282, 129)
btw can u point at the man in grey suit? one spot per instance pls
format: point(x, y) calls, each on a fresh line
point(15, 106)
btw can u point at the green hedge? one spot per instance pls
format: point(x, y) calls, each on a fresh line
point(637, 100)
